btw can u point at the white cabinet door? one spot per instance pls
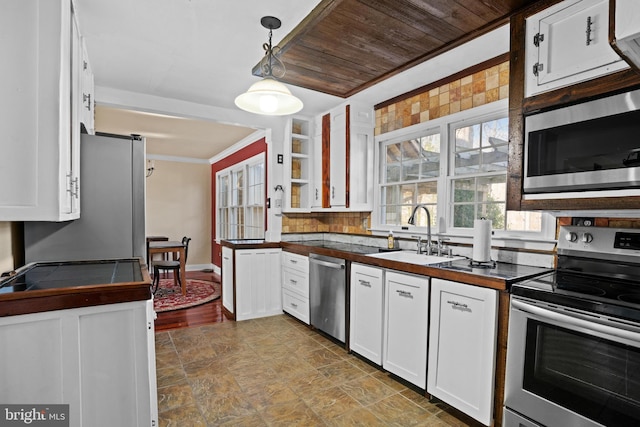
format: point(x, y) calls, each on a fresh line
point(462, 347)
point(258, 283)
point(366, 308)
point(406, 326)
point(40, 170)
point(227, 279)
point(100, 360)
point(338, 158)
point(568, 43)
point(317, 185)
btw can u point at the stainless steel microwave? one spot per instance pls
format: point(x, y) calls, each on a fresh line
point(594, 145)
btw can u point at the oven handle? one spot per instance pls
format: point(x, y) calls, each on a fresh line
point(574, 321)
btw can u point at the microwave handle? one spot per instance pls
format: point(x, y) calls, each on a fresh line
point(617, 331)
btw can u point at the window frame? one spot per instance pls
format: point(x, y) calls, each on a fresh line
point(443, 223)
point(243, 208)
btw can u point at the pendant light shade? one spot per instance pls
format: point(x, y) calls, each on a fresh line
point(269, 96)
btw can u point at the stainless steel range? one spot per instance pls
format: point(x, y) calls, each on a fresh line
point(573, 353)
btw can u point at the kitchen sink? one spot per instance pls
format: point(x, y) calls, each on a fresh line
point(411, 257)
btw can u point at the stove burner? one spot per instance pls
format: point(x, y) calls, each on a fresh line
point(632, 298)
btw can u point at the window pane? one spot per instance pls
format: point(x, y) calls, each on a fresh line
point(495, 158)
point(391, 213)
point(464, 215)
point(393, 173)
point(494, 212)
point(464, 190)
point(430, 153)
point(492, 188)
point(467, 137)
point(524, 221)
point(427, 192)
point(467, 162)
point(408, 194)
point(495, 132)
point(393, 154)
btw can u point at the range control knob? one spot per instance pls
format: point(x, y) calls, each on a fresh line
point(571, 236)
point(587, 237)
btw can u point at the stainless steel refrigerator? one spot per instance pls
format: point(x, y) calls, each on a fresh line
point(112, 206)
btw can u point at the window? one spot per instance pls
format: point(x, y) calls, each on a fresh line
point(240, 200)
point(479, 157)
point(410, 172)
point(463, 158)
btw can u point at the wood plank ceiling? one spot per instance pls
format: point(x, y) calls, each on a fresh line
point(345, 46)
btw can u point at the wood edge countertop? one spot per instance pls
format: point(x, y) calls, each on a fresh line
point(42, 300)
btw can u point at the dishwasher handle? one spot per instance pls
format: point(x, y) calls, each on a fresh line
point(327, 264)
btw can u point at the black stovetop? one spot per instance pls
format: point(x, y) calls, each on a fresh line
point(53, 275)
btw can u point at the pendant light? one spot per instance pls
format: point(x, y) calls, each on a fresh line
point(269, 96)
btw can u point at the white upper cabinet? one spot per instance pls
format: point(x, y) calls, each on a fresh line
point(343, 159)
point(40, 173)
point(568, 43)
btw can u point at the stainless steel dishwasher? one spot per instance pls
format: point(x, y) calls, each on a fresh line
point(328, 294)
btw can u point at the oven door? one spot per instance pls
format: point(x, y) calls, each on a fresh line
point(566, 367)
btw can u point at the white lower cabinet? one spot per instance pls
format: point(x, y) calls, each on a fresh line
point(462, 347)
point(406, 326)
point(295, 285)
point(257, 283)
point(366, 308)
point(99, 360)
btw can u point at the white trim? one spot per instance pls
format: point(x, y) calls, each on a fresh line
point(245, 142)
point(199, 267)
point(177, 159)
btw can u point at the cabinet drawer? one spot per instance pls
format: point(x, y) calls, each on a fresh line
point(295, 305)
point(296, 281)
point(295, 262)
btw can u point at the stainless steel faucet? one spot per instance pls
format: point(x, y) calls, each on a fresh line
point(412, 221)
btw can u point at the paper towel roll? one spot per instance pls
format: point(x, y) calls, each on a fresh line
point(481, 240)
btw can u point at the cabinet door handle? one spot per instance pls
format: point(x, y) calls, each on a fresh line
point(455, 305)
point(589, 23)
point(87, 98)
point(364, 283)
point(293, 282)
point(316, 194)
point(294, 305)
point(333, 192)
point(405, 294)
point(293, 261)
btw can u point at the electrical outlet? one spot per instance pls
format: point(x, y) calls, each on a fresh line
point(280, 159)
point(583, 222)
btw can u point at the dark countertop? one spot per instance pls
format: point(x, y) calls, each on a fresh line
point(248, 244)
point(499, 277)
point(46, 286)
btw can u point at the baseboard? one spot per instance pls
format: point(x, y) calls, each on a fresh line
point(200, 267)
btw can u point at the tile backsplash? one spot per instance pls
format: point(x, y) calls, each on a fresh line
point(482, 87)
point(327, 222)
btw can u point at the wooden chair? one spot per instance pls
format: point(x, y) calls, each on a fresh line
point(170, 265)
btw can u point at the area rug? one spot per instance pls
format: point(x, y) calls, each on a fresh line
point(169, 297)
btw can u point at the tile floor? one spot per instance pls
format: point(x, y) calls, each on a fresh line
point(276, 372)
